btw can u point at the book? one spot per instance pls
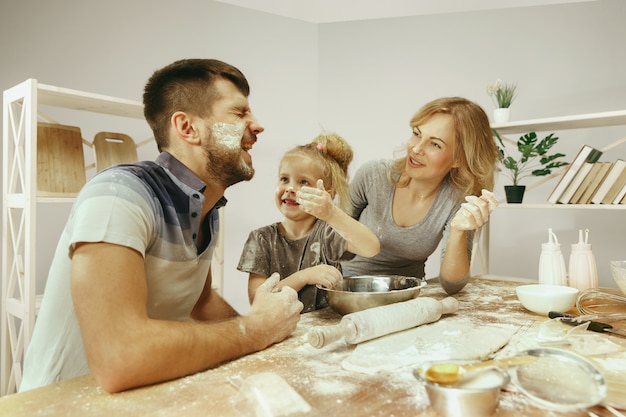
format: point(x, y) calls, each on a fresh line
point(621, 196)
point(576, 183)
point(603, 169)
point(615, 188)
point(585, 154)
point(586, 182)
point(611, 177)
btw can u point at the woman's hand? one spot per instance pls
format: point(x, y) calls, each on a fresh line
point(475, 211)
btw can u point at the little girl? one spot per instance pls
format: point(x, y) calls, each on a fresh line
point(306, 247)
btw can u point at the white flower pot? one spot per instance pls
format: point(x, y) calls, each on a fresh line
point(501, 115)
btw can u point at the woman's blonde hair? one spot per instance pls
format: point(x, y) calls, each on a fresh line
point(476, 152)
point(334, 156)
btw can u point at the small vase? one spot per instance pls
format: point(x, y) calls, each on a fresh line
point(501, 115)
point(514, 193)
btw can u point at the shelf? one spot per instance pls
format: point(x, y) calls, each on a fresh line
point(565, 206)
point(581, 121)
point(21, 301)
point(590, 120)
point(80, 100)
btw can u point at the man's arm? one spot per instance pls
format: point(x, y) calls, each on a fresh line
point(126, 349)
point(211, 305)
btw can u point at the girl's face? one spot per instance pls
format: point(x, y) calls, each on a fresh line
point(430, 149)
point(295, 171)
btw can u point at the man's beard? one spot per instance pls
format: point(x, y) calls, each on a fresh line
point(225, 164)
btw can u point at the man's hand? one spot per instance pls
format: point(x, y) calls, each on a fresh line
point(274, 313)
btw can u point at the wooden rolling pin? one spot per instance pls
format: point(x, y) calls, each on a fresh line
point(379, 321)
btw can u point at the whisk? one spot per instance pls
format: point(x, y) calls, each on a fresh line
point(595, 304)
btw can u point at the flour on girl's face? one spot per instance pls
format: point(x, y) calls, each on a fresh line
point(229, 134)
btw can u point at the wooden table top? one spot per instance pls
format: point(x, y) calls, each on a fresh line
point(315, 374)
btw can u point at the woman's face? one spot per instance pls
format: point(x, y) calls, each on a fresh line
point(430, 149)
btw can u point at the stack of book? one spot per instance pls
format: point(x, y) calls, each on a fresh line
point(587, 180)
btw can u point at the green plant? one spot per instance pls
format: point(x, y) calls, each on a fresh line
point(502, 94)
point(534, 160)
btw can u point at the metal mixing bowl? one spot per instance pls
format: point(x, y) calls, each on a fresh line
point(366, 291)
point(479, 397)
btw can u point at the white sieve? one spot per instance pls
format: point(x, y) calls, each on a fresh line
point(559, 380)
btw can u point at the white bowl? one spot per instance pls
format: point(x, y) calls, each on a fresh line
point(542, 299)
point(618, 269)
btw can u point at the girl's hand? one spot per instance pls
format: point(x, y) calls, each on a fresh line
point(475, 211)
point(316, 201)
point(325, 275)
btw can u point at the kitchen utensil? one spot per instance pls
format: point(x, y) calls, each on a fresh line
point(452, 373)
point(366, 291)
point(542, 299)
point(111, 148)
point(60, 159)
point(594, 326)
point(378, 321)
point(610, 307)
point(583, 273)
point(551, 262)
point(476, 397)
point(559, 380)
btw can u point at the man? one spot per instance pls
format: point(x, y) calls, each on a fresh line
point(129, 294)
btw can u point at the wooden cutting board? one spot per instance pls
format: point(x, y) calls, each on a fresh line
point(60, 159)
point(112, 148)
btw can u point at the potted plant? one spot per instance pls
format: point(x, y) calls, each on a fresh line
point(533, 161)
point(502, 95)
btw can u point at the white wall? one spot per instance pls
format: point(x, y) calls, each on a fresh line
point(361, 79)
point(566, 59)
point(113, 47)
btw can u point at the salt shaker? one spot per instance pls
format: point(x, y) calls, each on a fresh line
point(582, 264)
point(551, 262)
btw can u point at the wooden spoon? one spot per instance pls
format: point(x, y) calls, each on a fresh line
point(451, 373)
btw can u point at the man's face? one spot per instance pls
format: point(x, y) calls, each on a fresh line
point(230, 134)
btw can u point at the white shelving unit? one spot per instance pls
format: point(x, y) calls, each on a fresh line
point(20, 297)
point(582, 121)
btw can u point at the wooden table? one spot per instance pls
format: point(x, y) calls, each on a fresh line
point(316, 374)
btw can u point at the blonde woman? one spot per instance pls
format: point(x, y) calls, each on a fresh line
point(437, 191)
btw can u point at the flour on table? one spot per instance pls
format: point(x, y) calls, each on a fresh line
point(268, 394)
point(457, 338)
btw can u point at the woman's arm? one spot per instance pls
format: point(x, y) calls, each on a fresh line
point(455, 265)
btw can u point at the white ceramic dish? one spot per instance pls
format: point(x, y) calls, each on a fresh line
point(541, 298)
